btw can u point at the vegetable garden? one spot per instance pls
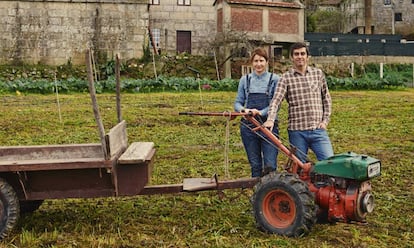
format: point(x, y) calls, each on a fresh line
point(376, 122)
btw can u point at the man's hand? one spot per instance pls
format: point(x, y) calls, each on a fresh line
point(269, 124)
point(322, 125)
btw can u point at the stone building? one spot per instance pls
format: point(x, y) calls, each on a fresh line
point(179, 26)
point(271, 24)
point(57, 32)
point(393, 17)
point(374, 17)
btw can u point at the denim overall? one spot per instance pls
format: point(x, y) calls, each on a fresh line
point(261, 154)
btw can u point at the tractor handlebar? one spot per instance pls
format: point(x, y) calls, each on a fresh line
point(259, 127)
point(225, 113)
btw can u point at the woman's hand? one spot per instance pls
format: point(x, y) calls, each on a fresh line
point(253, 111)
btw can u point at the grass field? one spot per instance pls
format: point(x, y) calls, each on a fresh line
point(377, 123)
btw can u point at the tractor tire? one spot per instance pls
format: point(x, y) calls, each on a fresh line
point(28, 207)
point(9, 208)
point(284, 205)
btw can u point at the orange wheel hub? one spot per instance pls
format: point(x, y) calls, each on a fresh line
point(279, 209)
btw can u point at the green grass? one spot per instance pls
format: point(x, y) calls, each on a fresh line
point(377, 123)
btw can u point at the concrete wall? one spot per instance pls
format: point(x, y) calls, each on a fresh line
point(334, 60)
point(55, 32)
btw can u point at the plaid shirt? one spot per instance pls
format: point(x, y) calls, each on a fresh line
point(308, 98)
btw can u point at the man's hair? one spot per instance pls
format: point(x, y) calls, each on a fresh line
point(298, 45)
point(261, 52)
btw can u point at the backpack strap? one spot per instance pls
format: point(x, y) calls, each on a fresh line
point(247, 85)
point(269, 85)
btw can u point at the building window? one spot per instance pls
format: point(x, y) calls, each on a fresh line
point(388, 2)
point(155, 39)
point(398, 17)
point(154, 2)
point(184, 2)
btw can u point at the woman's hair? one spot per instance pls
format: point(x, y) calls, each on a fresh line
point(261, 52)
point(299, 45)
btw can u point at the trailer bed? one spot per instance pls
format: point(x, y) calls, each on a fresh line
point(78, 170)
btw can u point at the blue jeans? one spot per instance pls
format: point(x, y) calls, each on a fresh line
point(261, 154)
point(317, 140)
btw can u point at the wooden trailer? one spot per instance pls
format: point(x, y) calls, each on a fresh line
point(30, 174)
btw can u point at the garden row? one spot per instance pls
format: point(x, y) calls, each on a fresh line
point(71, 85)
point(69, 78)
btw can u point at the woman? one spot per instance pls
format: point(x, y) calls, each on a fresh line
point(254, 94)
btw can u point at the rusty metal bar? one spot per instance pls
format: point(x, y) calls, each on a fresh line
point(225, 113)
point(178, 188)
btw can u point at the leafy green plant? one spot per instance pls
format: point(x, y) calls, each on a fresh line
point(146, 53)
point(372, 68)
point(369, 81)
point(128, 85)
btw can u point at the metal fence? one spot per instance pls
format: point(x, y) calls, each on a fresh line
point(327, 44)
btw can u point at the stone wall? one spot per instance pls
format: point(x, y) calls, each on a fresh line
point(199, 18)
point(60, 31)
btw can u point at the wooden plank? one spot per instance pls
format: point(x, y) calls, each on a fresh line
point(136, 153)
point(45, 152)
point(92, 94)
point(162, 189)
point(54, 164)
point(195, 184)
point(117, 140)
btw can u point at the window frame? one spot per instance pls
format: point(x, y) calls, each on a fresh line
point(156, 38)
point(184, 2)
point(398, 17)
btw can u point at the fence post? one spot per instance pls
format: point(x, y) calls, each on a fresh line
point(381, 70)
point(352, 69)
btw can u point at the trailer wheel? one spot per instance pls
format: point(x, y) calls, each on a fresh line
point(284, 205)
point(27, 207)
point(9, 208)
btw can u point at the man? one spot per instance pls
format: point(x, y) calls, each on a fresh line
point(307, 95)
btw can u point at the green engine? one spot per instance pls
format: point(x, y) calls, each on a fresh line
point(349, 165)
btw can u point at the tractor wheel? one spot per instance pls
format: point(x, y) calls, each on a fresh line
point(9, 208)
point(28, 207)
point(284, 205)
